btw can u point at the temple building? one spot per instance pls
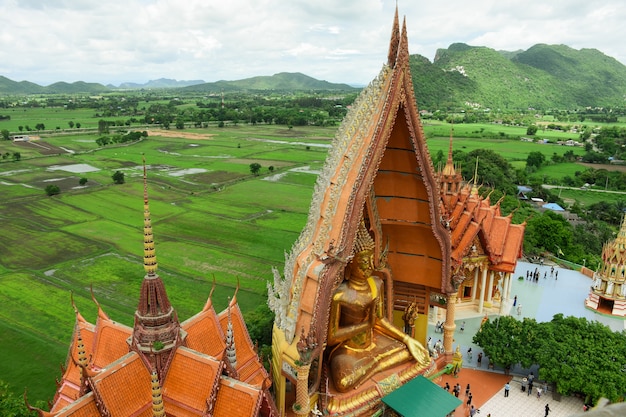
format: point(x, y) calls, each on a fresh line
point(387, 240)
point(485, 244)
point(204, 366)
point(608, 292)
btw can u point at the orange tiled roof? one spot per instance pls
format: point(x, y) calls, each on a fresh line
point(191, 380)
point(124, 386)
point(84, 407)
point(204, 333)
point(237, 399)
point(110, 342)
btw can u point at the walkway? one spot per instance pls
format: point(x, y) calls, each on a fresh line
point(540, 300)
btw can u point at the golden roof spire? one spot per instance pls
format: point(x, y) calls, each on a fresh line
point(449, 168)
point(620, 240)
point(475, 179)
point(149, 254)
point(158, 407)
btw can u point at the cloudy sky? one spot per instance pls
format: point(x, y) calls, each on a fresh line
point(116, 41)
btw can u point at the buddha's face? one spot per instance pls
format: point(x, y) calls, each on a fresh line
point(362, 264)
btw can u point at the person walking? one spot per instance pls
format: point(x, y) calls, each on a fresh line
point(479, 360)
point(507, 387)
point(467, 390)
point(547, 410)
point(463, 327)
point(472, 411)
point(530, 387)
point(469, 399)
point(538, 394)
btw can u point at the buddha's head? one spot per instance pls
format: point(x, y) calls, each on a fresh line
point(362, 263)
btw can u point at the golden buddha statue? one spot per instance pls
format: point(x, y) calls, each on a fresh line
point(362, 340)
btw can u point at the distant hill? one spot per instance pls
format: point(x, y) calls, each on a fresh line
point(22, 87)
point(544, 76)
point(161, 83)
point(283, 81)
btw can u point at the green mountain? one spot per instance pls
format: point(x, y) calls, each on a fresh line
point(544, 76)
point(14, 87)
point(283, 81)
point(62, 87)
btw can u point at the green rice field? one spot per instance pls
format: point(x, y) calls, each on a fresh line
point(212, 219)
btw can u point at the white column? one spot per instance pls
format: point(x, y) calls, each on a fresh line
point(483, 280)
point(490, 288)
point(475, 284)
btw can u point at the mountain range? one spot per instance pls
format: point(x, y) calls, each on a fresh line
point(542, 77)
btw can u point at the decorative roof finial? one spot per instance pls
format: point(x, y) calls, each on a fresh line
point(475, 180)
point(231, 352)
point(395, 40)
point(149, 254)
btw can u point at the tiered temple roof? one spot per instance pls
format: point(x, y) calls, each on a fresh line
point(474, 222)
point(160, 366)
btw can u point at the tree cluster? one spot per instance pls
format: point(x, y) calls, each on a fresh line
point(578, 356)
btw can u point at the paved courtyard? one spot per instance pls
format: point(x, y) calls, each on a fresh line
point(540, 300)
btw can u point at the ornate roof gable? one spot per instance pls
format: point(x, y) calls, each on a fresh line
point(382, 132)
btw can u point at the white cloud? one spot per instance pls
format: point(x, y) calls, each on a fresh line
point(45, 41)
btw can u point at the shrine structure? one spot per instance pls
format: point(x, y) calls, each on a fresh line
point(386, 240)
point(608, 291)
point(206, 365)
point(485, 245)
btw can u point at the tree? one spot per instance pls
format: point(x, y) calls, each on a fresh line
point(583, 357)
point(5, 134)
point(118, 177)
point(531, 130)
point(17, 156)
point(535, 159)
point(255, 168)
point(52, 190)
point(13, 406)
point(71, 124)
point(577, 355)
point(103, 126)
point(77, 125)
point(83, 181)
point(504, 340)
point(260, 322)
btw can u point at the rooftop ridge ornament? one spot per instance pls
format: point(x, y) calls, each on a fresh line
point(395, 40)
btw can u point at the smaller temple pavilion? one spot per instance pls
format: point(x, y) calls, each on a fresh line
point(204, 366)
point(608, 292)
point(485, 244)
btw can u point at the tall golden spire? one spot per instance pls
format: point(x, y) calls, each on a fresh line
point(149, 254)
point(449, 168)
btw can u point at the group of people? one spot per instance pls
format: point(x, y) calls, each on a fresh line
point(534, 275)
point(468, 396)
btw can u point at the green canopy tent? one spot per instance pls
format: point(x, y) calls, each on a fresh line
point(419, 398)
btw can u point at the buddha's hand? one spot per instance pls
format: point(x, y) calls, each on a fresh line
point(417, 350)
